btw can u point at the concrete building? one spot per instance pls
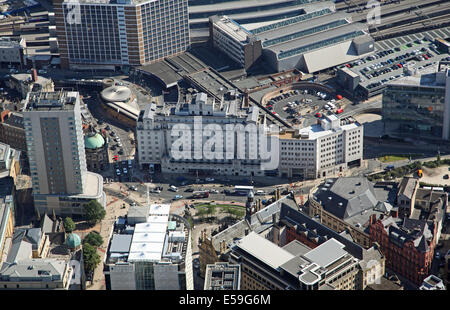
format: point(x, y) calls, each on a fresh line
point(313, 41)
point(321, 150)
point(110, 34)
point(151, 252)
point(36, 274)
point(346, 205)
point(419, 105)
point(432, 283)
point(12, 51)
point(223, 276)
point(235, 41)
point(120, 103)
point(24, 83)
point(56, 152)
point(12, 131)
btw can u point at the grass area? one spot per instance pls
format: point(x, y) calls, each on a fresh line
point(207, 209)
point(391, 158)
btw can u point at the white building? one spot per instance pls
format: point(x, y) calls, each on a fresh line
point(321, 150)
point(156, 145)
point(153, 254)
point(55, 144)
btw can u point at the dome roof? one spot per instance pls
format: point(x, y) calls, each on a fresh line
point(94, 141)
point(116, 93)
point(73, 241)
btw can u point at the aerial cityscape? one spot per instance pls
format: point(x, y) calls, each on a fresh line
point(224, 145)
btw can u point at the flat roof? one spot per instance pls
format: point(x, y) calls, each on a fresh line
point(163, 72)
point(150, 227)
point(159, 209)
point(120, 243)
point(327, 253)
point(157, 237)
point(264, 250)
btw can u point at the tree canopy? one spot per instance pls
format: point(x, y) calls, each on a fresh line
point(93, 238)
point(69, 225)
point(94, 212)
point(91, 257)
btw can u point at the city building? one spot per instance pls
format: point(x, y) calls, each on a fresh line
point(418, 105)
point(321, 150)
point(155, 141)
point(7, 207)
point(346, 205)
point(223, 276)
point(24, 83)
point(408, 245)
point(432, 283)
point(234, 40)
point(250, 13)
point(12, 51)
point(120, 103)
point(110, 34)
point(56, 151)
point(151, 250)
point(96, 151)
point(269, 243)
point(9, 161)
point(319, 39)
point(406, 196)
point(28, 243)
point(12, 131)
point(36, 274)
point(447, 268)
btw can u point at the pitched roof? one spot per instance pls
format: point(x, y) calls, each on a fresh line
point(407, 187)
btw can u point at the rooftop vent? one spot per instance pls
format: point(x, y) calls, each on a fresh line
point(329, 197)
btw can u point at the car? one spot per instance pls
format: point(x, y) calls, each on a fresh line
point(260, 192)
point(189, 190)
point(108, 127)
point(446, 177)
point(226, 191)
point(125, 171)
point(118, 171)
point(130, 164)
point(213, 191)
point(112, 133)
point(177, 197)
point(389, 167)
point(196, 263)
point(133, 188)
point(173, 188)
point(438, 255)
point(209, 180)
point(120, 152)
point(155, 190)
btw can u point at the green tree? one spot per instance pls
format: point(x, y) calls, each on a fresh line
point(69, 225)
point(93, 238)
point(94, 212)
point(91, 257)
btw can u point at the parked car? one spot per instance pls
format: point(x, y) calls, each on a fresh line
point(177, 197)
point(209, 180)
point(173, 188)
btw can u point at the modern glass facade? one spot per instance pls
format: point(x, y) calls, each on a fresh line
point(414, 109)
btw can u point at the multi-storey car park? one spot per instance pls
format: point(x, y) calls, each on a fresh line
point(368, 76)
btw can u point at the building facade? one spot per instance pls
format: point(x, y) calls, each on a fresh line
point(109, 34)
point(223, 276)
point(96, 151)
point(419, 105)
point(56, 152)
point(7, 207)
point(11, 51)
point(12, 131)
point(321, 150)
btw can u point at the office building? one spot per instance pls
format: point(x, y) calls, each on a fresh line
point(56, 152)
point(419, 105)
point(96, 151)
point(313, 41)
point(150, 250)
point(346, 204)
point(12, 131)
point(223, 276)
point(12, 51)
point(321, 150)
point(109, 34)
point(269, 244)
point(24, 83)
point(9, 161)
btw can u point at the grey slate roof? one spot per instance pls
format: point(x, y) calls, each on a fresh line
point(47, 269)
point(47, 224)
point(347, 197)
point(407, 186)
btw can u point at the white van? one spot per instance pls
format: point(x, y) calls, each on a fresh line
point(260, 192)
point(173, 188)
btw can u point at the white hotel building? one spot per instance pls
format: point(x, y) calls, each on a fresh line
point(320, 150)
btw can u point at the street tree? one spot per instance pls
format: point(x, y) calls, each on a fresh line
point(69, 225)
point(93, 238)
point(91, 257)
point(94, 212)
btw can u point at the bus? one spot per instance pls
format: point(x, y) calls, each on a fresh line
point(242, 190)
point(200, 194)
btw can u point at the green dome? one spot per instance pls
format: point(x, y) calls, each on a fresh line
point(94, 141)
point(73, 241)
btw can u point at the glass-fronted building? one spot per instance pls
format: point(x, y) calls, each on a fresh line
point(418, 106)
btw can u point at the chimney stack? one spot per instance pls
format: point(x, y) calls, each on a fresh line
point(34, 76)
point(394, 213)
point(373, 219)
point(246, 231)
